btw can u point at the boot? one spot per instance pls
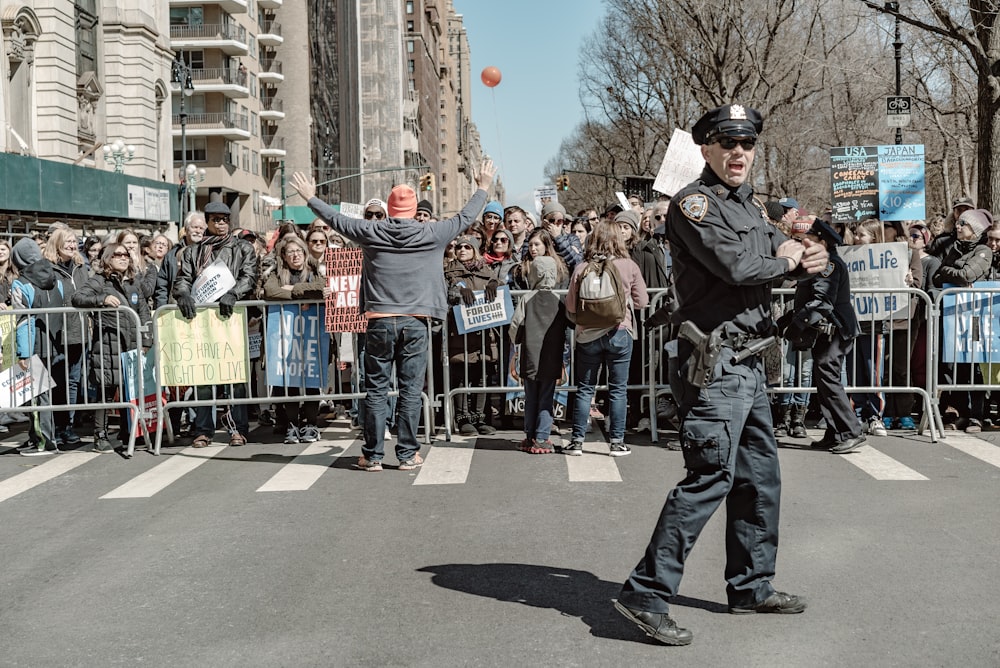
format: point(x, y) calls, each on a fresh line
point(797, 429)
point(465, 424)
point(781, 423)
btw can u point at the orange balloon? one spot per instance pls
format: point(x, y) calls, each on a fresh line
point(490, 76)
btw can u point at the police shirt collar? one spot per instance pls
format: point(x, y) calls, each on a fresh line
point(712, 181)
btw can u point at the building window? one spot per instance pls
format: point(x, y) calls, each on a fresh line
point(252, 42)
point(411, 85)
point(409, 46)
point(253, 123)
point(230, 154)
point(410, 66)
point(86, 40)
point(255, 163)
point(246, 160)
point(253, 85)
point(186, 16)
point(409, 26)
point(197, 150)
point(195, 59)
point(409, 6)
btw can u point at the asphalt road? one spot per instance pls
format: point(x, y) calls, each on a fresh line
point(485, 557)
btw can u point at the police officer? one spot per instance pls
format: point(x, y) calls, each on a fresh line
point(726, 255)
point(824, 320)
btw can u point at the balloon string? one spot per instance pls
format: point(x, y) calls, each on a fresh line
point(496, 118)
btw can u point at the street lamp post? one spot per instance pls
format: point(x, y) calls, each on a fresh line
point(118, 154)
point(897, 46)
point(192, 177)
point(181, 74)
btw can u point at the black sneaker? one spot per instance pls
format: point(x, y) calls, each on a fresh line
point(657, 625)
point(778, 603)
point(574, 449)
point(619, 450)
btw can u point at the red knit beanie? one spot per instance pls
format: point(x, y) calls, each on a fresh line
point(402, 202)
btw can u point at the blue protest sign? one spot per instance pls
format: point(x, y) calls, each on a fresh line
point(901, 182)
point(970, 325)
point(484, 315)
point(298, 346)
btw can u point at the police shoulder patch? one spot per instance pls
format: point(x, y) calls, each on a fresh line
point(826, 273)
point(694, 207)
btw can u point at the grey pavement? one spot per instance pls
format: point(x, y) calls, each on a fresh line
point(516, 564)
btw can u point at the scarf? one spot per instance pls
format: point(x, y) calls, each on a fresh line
point(492, 258)
point(473, 265)
point(207, 248)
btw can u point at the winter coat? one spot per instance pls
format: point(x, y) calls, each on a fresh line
point(238, 255)
point(38, 287)
point(166, 276)
point(649, 256)
point(569, 249)
point(478, 346)
point(113, 332)
point(73, 276)
point(539, 325)
point(963, 264)
point(301, 290)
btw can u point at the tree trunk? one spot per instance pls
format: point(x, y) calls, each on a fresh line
point(988, 147)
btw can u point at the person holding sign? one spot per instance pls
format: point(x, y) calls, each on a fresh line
point(726, 256)
point(117, 286)
point(296, 277)
point(402, 288)
point(231, 261)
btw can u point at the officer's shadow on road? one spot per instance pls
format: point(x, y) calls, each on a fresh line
point(571, 592)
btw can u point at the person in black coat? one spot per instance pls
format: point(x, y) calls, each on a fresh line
point(823, 319)
point(113, 333)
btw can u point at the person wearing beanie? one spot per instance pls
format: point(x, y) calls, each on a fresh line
point(967, 261)
point(775, 212)
point(539, 326)
point(425, 212)
point(402, 202)
point(401, 290)
point(36, 287)
point(557, 224)
point(492, 218)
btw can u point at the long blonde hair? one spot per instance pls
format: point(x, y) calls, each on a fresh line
point(56, 241)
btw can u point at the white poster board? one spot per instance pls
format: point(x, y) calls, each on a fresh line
point(544, 195)
point(878, 266)
point(682, 164)
point(213, 282)
point(19, 386)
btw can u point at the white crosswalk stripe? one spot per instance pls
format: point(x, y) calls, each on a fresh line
point(42, 473)
point(302, 472)
point(595, 465)
point(447, 463)
point(880, 466)
point(974, 447)
point(160, 476)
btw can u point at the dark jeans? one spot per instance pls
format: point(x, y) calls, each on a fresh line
point(730, 455)
point(66, 374)
point(204, 416)
point(538, 398)
point(291, 411)
point(400, 342)
point(614, 350)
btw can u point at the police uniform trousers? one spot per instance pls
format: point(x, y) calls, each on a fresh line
point(829, 353)
point(731, 455)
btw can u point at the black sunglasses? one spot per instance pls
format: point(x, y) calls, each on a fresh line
point(212, 218)
point(660, 216)
point(462, 246)
point(377, 215)
point(729, 143)
point(555, 221)
point(500, 240)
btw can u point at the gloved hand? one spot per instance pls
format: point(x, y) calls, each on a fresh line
point(468, 298)
point(491, 290)
point(186, 305)
point(226, 305)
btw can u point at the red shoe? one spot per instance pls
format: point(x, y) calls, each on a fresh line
point(545, 447)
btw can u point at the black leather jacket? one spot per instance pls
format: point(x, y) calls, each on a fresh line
point(238, 255)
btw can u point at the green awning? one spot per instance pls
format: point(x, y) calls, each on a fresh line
point(300, 215)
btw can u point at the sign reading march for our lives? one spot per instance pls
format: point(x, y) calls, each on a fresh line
point(482, 314)
point(970, 325)
point(298, 346)
point(206, 350)
point(873, 266)
point(884, 182)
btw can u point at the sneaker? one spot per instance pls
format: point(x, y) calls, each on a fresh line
point(907, 423)
point(266, 418)
point(666, 409)
point(876, 428)
point(414, 463)
point(102, 444)
point(36, 452)
point(595, 413)
point(4, 429)
point(974, 427)
point(388, 435)
point(368, 465)
point(889, 423)
point(69, 437)
point(467, 429)
point(292, 434)
point(619, 450)
point(643, 425)
point(309, 434)
point(574, 449)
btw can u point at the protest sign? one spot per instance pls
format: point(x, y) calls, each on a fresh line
point(298, 346)
point(682, 164)
point(8, 325)
point(19, 386)
point(515, 398)
point(854, 183)
point(353, 210)
point(901, 182)
point(204, 351)
point(343, 277)
point(872, 266)
point(970, 325)
point(544, 195)
point(482, 314)
point(214, 281)
point(133, 364)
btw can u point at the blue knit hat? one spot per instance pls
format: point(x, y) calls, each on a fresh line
point(494, 207)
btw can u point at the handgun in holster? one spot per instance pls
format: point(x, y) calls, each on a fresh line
point(704, 355)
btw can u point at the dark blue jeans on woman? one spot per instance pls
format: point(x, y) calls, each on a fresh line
point(614, 350)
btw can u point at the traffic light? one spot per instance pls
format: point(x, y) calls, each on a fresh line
point(427, 182)
point(562, 182)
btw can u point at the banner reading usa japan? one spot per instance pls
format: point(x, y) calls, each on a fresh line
point(298, 346)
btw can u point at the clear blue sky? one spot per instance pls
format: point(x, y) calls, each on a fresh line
point(536, 46)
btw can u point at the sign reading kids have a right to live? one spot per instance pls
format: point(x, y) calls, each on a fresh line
point(204, 351)
point(343, 278)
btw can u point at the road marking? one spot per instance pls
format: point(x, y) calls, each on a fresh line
point(157, 478)
point(595, 465)
point(974, 447)
point(880, 466)
point(33, 477)
point(302, 472)
point(447, 464)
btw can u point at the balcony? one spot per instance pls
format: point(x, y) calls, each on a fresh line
point(270, 71)
point(269, 4)
point(231, 6)
point(226, 80)
point(227, 124)
point(230, 38)
point(270, 34)
point(271, 146)
point(271, 109)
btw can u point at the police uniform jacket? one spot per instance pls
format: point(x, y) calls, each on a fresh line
point(724, 261)
point(826, 296)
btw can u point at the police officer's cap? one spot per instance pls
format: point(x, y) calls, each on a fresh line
point(824, 231)
point(732, 120)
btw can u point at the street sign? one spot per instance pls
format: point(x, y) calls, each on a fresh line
point(897, 111)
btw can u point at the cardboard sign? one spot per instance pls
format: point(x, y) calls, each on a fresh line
point(482, 314)
point(204, 351)
point(343, 277)
point(901, 182)
point(19, 386)
point(884, 182)
point(214, 281)
point(135, 364)
point(298, 346)
point(878, 266)
point(544, 195)
point(854, 183)
point(682, 164)
point(970, 325)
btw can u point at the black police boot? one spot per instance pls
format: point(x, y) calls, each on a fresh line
point(797, 428)
point(656, 625)
point(778, 603)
